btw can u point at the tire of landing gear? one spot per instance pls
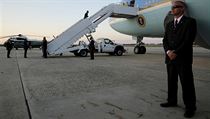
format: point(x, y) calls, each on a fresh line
point(140, 50)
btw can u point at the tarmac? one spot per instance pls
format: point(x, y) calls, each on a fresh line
point(110, 87)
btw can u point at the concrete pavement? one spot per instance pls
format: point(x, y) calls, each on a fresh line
point(109, 87)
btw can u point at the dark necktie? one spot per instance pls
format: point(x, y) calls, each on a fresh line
point(176, 23)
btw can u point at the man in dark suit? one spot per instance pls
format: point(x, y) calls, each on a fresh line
point(178, 40)
point(44, 47)
point(25, 46)
point(92, 48)
point(9, 45)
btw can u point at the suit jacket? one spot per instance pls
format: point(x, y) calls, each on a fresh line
point(8, 45)
point(44, 44)
point(180, 39)
point(91, 45)
point(25, 44)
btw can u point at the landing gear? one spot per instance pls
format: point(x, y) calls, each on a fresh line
point(139, 48)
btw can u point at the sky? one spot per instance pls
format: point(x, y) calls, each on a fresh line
point(52, 17)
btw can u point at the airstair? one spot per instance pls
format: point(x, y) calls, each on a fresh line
point(64, 42)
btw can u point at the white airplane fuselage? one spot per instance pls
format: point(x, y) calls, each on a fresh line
point(150, 21)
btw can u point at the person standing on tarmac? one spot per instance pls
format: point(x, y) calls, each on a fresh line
point(44, 47)
point(178, 45)
point(8, 44)
point(25, 46)
point(92, 48)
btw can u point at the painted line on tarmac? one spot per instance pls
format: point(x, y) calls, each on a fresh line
point(23, 89)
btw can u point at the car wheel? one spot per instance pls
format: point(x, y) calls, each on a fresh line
point(83, 53)
point(119, 52)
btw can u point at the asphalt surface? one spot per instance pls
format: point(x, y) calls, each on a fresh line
point(109, 87)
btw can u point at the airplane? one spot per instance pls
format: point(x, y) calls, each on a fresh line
point(153, 15)
point(18, 41)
